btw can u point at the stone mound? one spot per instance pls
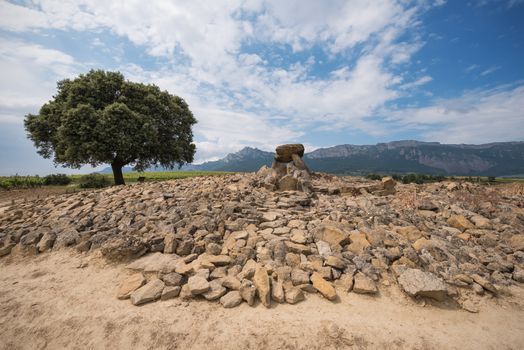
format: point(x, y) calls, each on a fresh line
point(230, 239)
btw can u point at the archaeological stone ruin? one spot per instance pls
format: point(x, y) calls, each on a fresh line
point(283, 234)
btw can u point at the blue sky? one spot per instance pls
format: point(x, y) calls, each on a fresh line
point(261, 73)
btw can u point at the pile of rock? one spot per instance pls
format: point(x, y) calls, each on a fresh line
point(227, 238)
point(288, 171)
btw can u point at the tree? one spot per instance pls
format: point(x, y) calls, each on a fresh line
point(101, 118)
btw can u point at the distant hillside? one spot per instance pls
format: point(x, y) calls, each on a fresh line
point(492, 159)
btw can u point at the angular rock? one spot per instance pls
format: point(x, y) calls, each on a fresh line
point(484, 283)
point(277, 291)
point(46, 242)
point(284, 152)
point(172, 279)
point(516, 242)
point(231, 282)
point(130, 284)
point(335, 262)
point(299, 276)
point(231, 299)
point(261, 282)
point(170, 243)
point(460, 222)
point(332, 234)
point(324, 287)
point(248, 292)
point(293, 294)
point(149, 292)
point(197, 285)
point(216, 290)
point(419, 283)
point(364, 285)
point(170, 292)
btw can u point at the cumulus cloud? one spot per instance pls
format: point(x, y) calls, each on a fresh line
point(475, 117)
point(246, 67)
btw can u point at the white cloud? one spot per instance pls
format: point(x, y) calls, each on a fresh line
point(240, 97)
point(475, 117)
point(490, 70)
point(29, 75)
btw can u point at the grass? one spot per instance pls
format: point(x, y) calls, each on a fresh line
point(16, 181)
point(158, 175)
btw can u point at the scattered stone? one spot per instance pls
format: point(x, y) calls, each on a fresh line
point(293, 294)
point(46, 242)
point(231, 282)
point(149, 292)
point(248, 292)
point(130, 284)
point(216, 290)
point(299, 276)
point(517, 242)
point(172, 279)
point(277, 291)
point(335, 262)
point(469, 306)
point(231, 299)
point(484, 283)
point(323, 286)
point(364, 285)
point(197, 285)
point(460, 222)
point(425, 284)
point(170, 292)
point(261, 282)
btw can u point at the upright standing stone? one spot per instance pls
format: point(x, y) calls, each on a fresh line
point(261, 282)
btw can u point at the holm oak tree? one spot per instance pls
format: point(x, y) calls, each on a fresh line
point(101, 118)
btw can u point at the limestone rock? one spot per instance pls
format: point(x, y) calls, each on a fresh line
point(419, 283)
point(261, 282)
point(216, 290)
point(284, 152)
point(231, 299)
point(277, 291)
point(516, 242)
point(46, 242)
point(460, 222)
point(170, 292)
point(287, 183)
point(293, 294)
point(364, 284)
point(299, 276)
point(130, 284)
point(172, 279)
point(197, 285)
point(332, 234)
point(149, 292)
point(248, 292)
point(324, 287)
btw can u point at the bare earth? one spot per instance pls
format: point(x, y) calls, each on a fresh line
point(51, 302)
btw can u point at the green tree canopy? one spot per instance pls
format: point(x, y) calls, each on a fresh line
point(100, 118)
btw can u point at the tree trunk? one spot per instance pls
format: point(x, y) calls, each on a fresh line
point(117, 173)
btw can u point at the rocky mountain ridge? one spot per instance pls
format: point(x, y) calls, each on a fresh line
point(493, 159)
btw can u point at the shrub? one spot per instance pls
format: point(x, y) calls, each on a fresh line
point(57, 180)
point(94, 181)
point(373, 176)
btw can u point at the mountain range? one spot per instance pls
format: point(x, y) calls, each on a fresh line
point(492, 159)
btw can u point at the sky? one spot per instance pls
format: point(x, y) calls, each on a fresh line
point(262, 73)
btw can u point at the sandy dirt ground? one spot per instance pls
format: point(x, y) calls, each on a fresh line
point(64, 300)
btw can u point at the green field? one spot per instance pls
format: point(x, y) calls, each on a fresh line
point(158, 175)
point(16, 181)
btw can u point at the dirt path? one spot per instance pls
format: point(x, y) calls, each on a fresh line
point(49, 302)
